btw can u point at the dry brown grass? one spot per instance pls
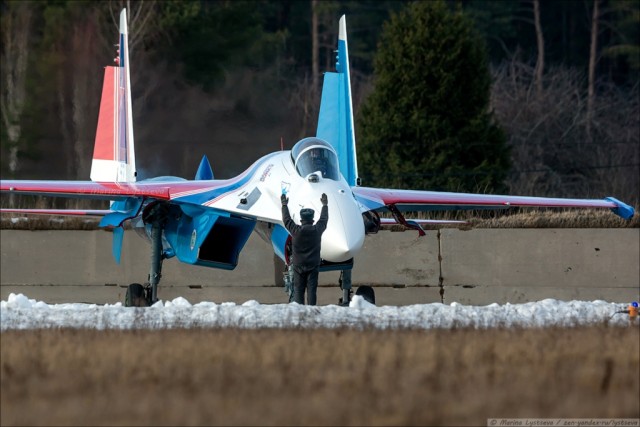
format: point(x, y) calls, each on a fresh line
point(45, 222)
point(548, 218)
point(317, 377)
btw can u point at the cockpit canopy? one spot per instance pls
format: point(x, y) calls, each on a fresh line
point(311, 155)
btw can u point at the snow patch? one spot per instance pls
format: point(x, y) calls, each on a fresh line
point(20, 312)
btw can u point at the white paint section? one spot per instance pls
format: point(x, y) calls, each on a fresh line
point(123, 22)
point(344, 236)
point(342, 31)
point(108, 171)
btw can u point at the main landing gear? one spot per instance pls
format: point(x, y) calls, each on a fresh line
point(288, 281)
point(137, 296)
point(145, 296)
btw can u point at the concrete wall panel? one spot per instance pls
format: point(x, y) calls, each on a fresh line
point(478, 267)
point(541, 257)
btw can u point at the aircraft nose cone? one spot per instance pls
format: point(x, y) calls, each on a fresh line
point(338, 247)
point(344, 236)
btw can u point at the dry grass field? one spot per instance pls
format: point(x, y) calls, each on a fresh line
point(317, 377)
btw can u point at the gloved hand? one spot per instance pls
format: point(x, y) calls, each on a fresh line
point(284, 199)
point(324, 199)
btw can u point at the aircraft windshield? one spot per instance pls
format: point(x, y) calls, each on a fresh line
point(315, 155)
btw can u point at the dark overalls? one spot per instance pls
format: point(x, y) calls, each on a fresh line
point(305, 242)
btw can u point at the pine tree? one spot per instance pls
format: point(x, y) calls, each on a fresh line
point(427, 124)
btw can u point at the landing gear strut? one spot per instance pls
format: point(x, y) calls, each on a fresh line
point(288, 281)
point(155, 273)
point(156, 216)
point(345, 284)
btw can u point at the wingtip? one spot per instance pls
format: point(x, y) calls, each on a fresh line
point(622, 209)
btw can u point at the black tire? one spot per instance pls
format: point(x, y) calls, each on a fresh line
point(135, 296)
point(367, 293)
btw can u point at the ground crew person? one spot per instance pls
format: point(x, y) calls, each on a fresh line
point(305, 243)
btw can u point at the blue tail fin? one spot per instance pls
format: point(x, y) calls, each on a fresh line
point(335, 123)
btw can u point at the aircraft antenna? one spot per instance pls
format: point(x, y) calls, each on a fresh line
point(281, 144)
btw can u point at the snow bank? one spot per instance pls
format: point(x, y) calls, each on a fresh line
point(20, 312)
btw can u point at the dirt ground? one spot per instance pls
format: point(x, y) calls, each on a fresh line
point(317, 377)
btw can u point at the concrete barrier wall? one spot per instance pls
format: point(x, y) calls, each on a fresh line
point(518, 265)
point(479, 267)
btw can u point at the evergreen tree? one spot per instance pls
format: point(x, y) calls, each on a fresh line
point(426, 125)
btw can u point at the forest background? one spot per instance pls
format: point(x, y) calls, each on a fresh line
point(232, 79)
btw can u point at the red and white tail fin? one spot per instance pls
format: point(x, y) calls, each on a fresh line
point(113, 155)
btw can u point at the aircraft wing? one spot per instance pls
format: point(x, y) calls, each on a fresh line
point(114, 191)
point(62, 212)
point(87, 189)
point(205, 193)
point(413, 200)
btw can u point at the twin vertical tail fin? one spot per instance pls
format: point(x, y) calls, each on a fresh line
point(335, 123)
point(114, 155)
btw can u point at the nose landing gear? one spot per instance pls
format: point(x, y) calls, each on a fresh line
point(364, 291)
point(345, 284)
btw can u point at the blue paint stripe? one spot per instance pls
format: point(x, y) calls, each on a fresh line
point(368, 203)
point(122, 64)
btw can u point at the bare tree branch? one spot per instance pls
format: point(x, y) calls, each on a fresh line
point(547, 134)
point(592, 67)
point(540, 44)
point(16, 27)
